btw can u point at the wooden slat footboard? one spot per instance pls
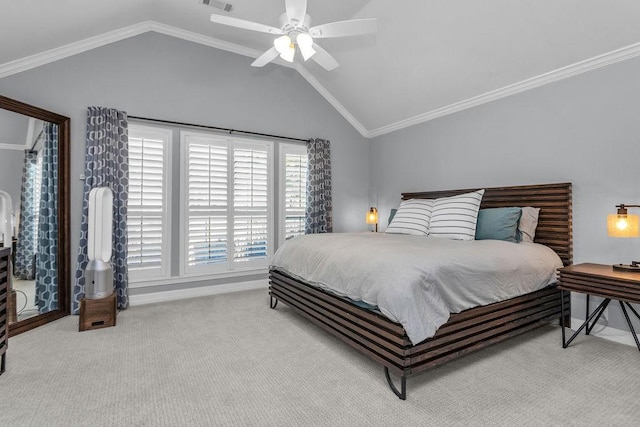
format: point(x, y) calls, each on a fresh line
point(387, 343)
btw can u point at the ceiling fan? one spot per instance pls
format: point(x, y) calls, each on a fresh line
point(295, 30)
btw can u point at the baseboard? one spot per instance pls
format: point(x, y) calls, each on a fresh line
point(607, 332)
point(201, 291)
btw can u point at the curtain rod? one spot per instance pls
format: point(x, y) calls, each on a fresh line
point(219, 129)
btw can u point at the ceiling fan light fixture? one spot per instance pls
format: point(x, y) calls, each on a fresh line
point(282, 44)
point(285, 47)
point(288, 55)
point(305, 43)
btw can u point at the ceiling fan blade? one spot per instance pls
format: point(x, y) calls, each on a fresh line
point(323, 58)
point(265, 58)
point(353, 27)
point(247, 25)
point(296, 11)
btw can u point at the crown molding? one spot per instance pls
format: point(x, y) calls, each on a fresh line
point(43, 58)
point(331, 99)
point(190, 36)
point(572, 70)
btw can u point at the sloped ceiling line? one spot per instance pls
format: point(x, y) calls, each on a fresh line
point(75, 48)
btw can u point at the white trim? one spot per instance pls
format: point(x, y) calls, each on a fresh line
point(166, 134)
point(607, 332)
point(196, 292)
point(42, 58)
point(15, 147)
point(575, 69)
point(332, 100)
point(143, 283)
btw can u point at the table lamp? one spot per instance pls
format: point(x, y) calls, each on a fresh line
point(621, 224)
point(372, 217)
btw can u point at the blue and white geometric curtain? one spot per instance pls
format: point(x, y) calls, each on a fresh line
point(319, 214)
point(47, 248)
point(106, 165)
point(26, 245)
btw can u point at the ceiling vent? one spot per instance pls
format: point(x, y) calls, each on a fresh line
point(218, 4)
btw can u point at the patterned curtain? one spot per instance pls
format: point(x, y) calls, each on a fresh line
point(318, 218)
point(26, 245)
point(106, 165)
point(47, 254)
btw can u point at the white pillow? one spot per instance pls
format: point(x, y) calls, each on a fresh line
point(528, 224)
point(413, 217)
point(455, 217)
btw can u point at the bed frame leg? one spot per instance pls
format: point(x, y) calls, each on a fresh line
point(273, 302)
point(402, 394)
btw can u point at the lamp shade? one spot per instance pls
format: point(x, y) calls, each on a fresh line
point(372, 216)
point(305, 43)
point(622, 225)
point(285, 47)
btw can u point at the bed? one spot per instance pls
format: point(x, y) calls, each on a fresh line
point(387, 342)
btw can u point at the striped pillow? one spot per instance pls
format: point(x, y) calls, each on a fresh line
point(455, 217)
point(413, 217)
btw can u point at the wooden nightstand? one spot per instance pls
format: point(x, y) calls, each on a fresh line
point(602, 281)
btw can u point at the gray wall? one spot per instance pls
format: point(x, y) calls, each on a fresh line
point(157, 76)
point(585, 130)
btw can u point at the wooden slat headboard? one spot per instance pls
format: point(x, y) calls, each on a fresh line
point(555, 227)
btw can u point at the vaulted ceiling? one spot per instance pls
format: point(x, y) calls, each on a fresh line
point(428, 58)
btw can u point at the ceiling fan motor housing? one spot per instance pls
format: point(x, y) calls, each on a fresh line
point(290, 26)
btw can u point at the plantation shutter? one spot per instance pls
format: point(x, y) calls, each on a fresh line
point(207, 198)
point(146, 215)
point(295, 194)
point(228, 196)
point(250, 200)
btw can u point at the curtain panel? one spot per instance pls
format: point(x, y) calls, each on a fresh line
point(46, 296)
point(319, 214)
point(106, 165)
point(27, 233)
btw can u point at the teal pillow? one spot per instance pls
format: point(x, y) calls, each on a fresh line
point(498, 224)
point(391, 215)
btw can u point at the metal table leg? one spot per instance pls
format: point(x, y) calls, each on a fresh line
point(597, 312)
point(626, 316)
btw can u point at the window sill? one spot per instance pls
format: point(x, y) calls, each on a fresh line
point(142, 283)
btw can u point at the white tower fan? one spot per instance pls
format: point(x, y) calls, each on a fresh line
point(99, 273)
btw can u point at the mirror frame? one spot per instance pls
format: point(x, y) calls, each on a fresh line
point(64, 264)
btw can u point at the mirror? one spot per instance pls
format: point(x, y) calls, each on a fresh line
point(34, 205)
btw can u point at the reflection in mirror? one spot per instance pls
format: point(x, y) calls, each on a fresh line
point(34, 201)
point(28, 156)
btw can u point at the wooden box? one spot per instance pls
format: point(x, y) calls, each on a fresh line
point(97, 313)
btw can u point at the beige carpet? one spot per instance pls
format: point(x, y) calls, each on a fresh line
point(230, 360)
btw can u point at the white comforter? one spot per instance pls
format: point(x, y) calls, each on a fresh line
point(417, 281)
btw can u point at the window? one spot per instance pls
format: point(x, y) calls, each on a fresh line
point(293, 190)
point(226, 203)
point(148, 217)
